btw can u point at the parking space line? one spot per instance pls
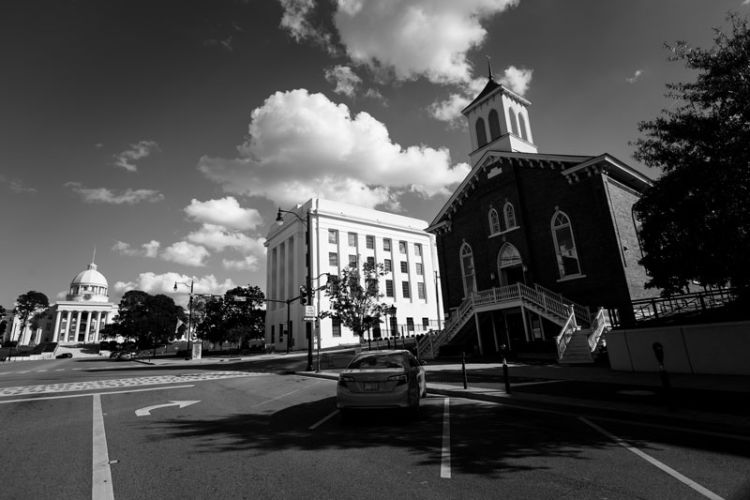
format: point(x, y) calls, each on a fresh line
point(101, 480)
point(445, 464)
point(323, 420)
point(276, 398)
point(648, 458)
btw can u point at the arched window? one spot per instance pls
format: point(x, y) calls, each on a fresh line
point(481, 133)
point(509, 265)
point(494, 221)
point(513, 124)
point(494, 125)
point(522, 126)
point(565, 245)
point(467, 270)
point(509, 214)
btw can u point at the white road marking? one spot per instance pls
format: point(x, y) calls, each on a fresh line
point(445, 465)
point(87, 394)
point(276, 398)
point(323, 420)
point(97, 385)
point(144, 412)
point(101, 481)
point(648, 458)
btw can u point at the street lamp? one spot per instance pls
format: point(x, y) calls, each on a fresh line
point(308, 280)
point(394, 325)
point(190, 315)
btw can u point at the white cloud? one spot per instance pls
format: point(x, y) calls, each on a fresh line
point(17, 185)
point(449, 110)
point(303, 145)
point(150, 249)
point(297, 20)
point(153, 283)
point(745, 2)
point(104, 195)
point(186, 254)
point(345, 79)
point(137, 151)
point(249, 263)
point(224, 212)
point(413, 38)
point(638, 73)
point(218, 238)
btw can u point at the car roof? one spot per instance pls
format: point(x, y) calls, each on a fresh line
point(388, 352)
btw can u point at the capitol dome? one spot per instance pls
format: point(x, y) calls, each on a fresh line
point(89, 285)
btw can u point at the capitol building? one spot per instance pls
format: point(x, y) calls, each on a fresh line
point(80, 318)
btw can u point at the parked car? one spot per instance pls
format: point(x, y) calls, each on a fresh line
point(64, 355)
point(127, 354)
point(382, 379)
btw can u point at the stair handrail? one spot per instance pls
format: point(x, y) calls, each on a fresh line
point(582, 312)
point(566, 333)
point(599, 324)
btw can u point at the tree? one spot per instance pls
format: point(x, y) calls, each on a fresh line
point(236, 317)
point(694, 220)
point(149, 319)
point(29, 305)
point(353, 303)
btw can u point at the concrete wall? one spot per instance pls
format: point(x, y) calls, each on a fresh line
point(719, 348)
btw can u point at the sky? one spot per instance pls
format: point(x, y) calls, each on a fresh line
point(164, 134)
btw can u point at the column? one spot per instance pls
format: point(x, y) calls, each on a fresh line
point(67, 327)
point(56, 331)
point(98, 330)
point(79, 316)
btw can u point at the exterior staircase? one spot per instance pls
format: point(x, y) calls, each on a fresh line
point(537, 299)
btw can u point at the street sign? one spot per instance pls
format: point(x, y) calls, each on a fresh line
point(309, 313)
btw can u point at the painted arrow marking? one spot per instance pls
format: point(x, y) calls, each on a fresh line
point(143, 412)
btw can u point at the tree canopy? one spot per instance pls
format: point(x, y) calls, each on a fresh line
point(354, 302)
point(149, 319)
point(238, 316)
point(28, 305)
point(695, 220)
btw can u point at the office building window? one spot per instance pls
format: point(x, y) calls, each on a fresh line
point(335, 327)
point(420, 269)
point(352, 239)
point(333, 236)
point(371, 262)
point(273, 334)
point(426, 323)
point(410, 325)
point(404, 267)
point(387, 244)
point(402, 247)
point(418, 249)
point(389, 288)
point(387, 265)
point(405, 291)
point(421, 290)
point(370, 241)
point(353, 261)
point(333, 259)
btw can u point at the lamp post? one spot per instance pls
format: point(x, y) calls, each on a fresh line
point(394, 325)
point(308, 280)
point(190, 315)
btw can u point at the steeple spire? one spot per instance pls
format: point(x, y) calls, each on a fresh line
point(489, 69)
point(93, 258)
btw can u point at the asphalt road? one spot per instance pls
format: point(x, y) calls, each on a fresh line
point(102, 429)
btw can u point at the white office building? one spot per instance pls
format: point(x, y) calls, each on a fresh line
point(341, 236)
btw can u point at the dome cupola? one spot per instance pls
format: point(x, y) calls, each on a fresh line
point(89, 285)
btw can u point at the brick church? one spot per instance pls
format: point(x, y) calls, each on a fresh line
point(535, 249)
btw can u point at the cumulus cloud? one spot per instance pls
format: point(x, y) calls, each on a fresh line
point(637, 75)
point(142, 149)
point(449, 110)
point(345, 79)
point(150, 249)
point(303, 145)
point(415, 38)
point(297, 19)
point(185, 253)
point(104, 195)
point(249, 263)
point(153, 283)
point(218, 238)
point(224, 212)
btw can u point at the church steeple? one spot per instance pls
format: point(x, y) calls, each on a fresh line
point(498, 120)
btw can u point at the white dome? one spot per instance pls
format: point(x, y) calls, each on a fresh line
point(89, 285)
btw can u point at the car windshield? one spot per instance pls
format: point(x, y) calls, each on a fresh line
point(379, 361)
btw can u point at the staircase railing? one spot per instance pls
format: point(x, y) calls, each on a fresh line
point(566, 333)
point(599, 324)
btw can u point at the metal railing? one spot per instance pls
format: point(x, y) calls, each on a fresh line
point(566, 333)
point(660, 307)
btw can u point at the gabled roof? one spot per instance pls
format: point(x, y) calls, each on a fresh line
point(569, 166)
point(491, 88)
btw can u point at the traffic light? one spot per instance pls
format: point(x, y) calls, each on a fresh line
point(302, 295)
